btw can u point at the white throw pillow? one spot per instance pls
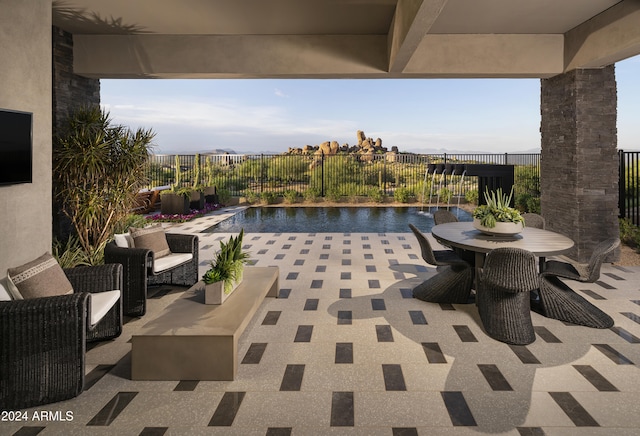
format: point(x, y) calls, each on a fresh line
point(123, 240)
point(4, 293)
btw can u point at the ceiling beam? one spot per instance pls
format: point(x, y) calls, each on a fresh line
point(411, 22)
point(230, 56)
point(607, 38)
point(512, 55)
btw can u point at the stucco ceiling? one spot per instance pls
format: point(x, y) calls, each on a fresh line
point(346, 38)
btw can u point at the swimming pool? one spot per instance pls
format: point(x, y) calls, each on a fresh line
point(330, 220)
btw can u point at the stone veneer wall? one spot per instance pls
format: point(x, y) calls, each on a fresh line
point(69, 90)
point(579, 164)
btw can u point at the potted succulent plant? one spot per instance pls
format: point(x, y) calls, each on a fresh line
point(496, 217)
point(225, 272)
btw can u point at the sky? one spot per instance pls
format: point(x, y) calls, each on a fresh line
point(416, 115)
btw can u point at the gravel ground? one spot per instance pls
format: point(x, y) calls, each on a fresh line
point(628, 257)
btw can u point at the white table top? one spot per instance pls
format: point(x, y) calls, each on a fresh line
point(463, 235)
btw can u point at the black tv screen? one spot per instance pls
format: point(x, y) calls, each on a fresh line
point(15, 147)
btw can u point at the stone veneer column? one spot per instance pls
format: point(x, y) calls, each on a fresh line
point(579, 164)
point(69, 90)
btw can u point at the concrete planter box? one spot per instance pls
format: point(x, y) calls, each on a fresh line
point(211, 195)
point(214, 292)
point(196, 200)
point(174, 204)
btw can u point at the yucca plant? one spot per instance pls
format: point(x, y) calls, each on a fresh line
point(497, 209)
point(228, 263)
point(98, 168)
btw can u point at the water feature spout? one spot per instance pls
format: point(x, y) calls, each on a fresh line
point(442, 177)
point(460, 192)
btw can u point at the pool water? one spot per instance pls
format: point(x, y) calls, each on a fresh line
point(331, 220)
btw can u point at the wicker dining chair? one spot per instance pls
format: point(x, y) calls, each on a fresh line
point(443, 216)
point(508, 277)
point(582, 272)
point(534, 220)
point(452, 283)
point(559, 301)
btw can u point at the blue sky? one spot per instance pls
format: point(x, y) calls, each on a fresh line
point(416, 115)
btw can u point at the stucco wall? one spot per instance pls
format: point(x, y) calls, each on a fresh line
point(25, 84)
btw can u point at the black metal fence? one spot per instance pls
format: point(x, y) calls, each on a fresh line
point(341, 175)
point(426, 176)
point(629, 185)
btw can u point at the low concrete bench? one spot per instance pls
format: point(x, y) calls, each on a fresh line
point(192, 341)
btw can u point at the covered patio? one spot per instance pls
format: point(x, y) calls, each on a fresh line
point(345, 349)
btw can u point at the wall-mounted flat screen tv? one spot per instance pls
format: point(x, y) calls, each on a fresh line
point(15, 147)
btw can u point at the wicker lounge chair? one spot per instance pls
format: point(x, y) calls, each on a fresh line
point(42, 352)
point(583, 272)
point(453, 281)
point(140, 269)
point(509, 274)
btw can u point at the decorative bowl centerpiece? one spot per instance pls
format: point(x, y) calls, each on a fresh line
point(225, 272)
point(496, 217)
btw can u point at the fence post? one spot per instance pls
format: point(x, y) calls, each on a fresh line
point(622, 204)
point(261, 172)
point(322, 173)
point(445, 170)
point(506, 158)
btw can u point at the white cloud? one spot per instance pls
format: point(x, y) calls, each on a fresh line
point(279, 93)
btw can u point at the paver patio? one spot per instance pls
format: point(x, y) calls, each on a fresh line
point(346, 350)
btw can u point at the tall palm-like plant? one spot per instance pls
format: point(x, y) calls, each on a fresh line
point(98, 168)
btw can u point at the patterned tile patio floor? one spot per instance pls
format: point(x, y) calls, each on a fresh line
point(346, 350)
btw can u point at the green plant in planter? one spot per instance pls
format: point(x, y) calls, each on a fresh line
point(228, 263)
point(497, 209)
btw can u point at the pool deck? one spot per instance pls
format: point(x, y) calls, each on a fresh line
point(345, 350)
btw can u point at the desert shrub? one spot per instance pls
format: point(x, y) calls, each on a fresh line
point(334, 194)
point(403, 195)
point(311, 194)
point(533, 205)
point(268, 197)
point(471, 196)
point(629, 233)
point(445, 195)
point(376, 195)
point(224, 195)
point(252, 197)
point(291, 196)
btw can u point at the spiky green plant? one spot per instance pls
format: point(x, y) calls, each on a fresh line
point(197, 182)
point(497, 209)
point(228, 263)
point(98, 168)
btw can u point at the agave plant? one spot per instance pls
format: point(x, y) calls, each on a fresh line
point(497, 209)
point(228, 263)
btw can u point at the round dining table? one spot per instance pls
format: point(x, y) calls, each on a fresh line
point(541, 243)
